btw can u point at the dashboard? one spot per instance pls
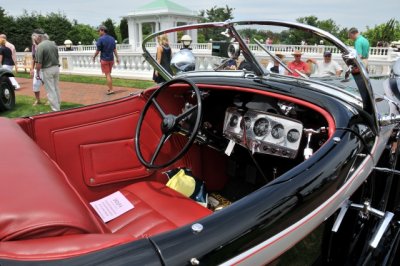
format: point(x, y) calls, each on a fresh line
point(263, 132)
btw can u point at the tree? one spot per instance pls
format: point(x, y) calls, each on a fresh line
point(110, 27)
point(57, 26)
point(85, 34)
point(5, 21)
point(296, 37)
point(215, 14)
point(123, 28)
point(384, 33)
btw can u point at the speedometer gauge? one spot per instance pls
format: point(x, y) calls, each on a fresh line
point(277, 131)
point(293, 135)
point(261, 127)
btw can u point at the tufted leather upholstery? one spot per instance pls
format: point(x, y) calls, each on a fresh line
point(157, 209)
point(39, 206)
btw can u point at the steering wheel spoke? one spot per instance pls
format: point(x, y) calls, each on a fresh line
point(163, 139)
point(158, 107)
point(186, 113)
point(170, 123)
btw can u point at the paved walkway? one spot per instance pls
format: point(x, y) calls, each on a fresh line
point(77, 92)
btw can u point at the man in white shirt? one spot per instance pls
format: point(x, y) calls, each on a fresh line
point(327, 67)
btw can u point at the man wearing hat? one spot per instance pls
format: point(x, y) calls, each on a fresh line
point(327, 67)
point(107, 48)
point(298, 66)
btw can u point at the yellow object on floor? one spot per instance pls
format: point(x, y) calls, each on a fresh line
point(182, 183)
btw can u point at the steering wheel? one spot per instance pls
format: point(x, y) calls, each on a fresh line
point(170, 124)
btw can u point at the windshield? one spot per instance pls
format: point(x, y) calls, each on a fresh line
point(266, 50)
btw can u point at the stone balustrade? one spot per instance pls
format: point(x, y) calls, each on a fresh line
point(78, 59)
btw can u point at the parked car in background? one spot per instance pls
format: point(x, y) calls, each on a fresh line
point(7, 91)
point(396, 44)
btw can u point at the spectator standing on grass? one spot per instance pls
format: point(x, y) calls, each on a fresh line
point(12, 48)
point(163, 57)
point(361, 44)
point(107, 49)
point(36, 82)
point(47, 67)
point(6, 61)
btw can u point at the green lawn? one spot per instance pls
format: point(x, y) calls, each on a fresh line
point(131, 83)
point(23, 107)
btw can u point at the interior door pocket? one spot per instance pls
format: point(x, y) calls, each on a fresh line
point(110, 162)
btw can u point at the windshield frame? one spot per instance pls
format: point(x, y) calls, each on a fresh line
point(357, 69)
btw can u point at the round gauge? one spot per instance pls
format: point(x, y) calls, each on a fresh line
point(293, 135)
point(261, 127)
point(277, 131)
point(245, 121)
point(233, 121)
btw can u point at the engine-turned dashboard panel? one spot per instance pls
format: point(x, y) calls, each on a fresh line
point(263, 132)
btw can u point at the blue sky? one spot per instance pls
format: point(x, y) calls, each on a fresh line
point(344, 12)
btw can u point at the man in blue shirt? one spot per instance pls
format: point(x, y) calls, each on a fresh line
point(360, 44)
point(107, 48)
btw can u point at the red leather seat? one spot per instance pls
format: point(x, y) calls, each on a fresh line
point(38, 202)
point(157, 209)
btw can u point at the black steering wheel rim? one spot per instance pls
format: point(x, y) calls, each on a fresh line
point(169, 124)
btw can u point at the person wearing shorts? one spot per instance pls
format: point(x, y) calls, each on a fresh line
point(107, 49)
point(37, 83)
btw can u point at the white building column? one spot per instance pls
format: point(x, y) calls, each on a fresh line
point(132, 31)
point(140, 38)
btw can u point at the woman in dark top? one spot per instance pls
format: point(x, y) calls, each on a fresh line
point(164, 55)
point(6, 56)
point(7, 61)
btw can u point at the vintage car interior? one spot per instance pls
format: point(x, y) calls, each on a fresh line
point(270, 158)
point(233, 138)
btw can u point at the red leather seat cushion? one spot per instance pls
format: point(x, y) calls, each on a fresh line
point(157, 208)
point(36, 199)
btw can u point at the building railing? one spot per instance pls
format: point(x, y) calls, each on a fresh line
point(79, 59)
point(282, 48)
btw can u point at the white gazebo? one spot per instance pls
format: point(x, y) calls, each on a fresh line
point(160, 15)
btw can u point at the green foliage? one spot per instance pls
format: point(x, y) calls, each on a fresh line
point(146, 29)
point(328, 25)
point(56, 25)
point(19, 30)
point(82, 33)
point(123, 28)
point(384, 33)
point(7, 23)
point(110, 27)
point(214, 14)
